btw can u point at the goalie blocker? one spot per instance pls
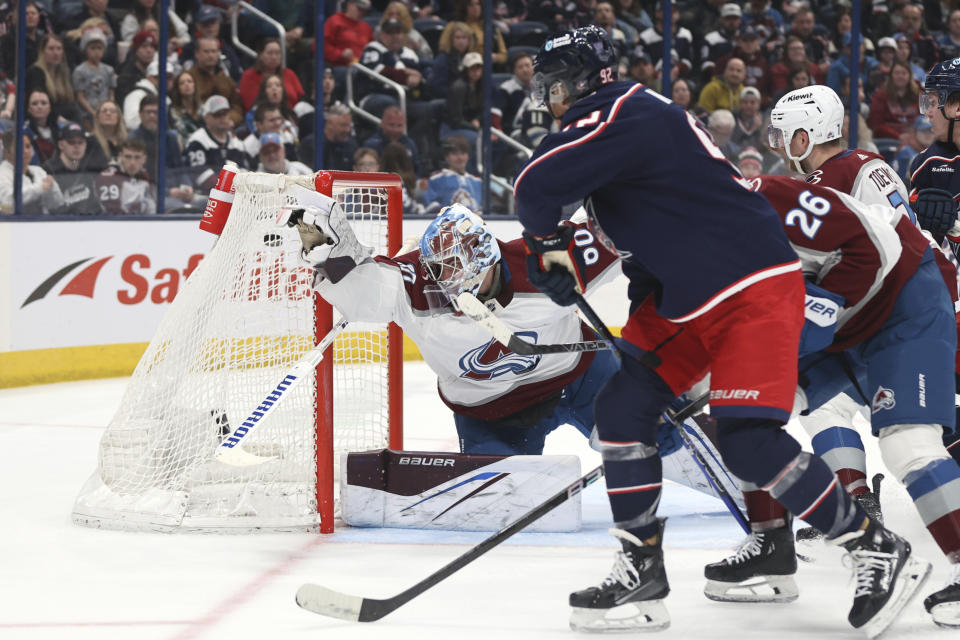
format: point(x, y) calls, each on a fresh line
point(454, 491)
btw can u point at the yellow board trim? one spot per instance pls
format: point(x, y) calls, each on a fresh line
point(46, 366)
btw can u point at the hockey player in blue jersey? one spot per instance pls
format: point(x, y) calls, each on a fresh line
point(714, 285)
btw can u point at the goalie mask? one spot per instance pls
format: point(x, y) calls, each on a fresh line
point(816, 109)
point(456, 251)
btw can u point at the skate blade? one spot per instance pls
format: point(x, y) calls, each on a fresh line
point(914, 573)
point(756, 589)
point(632, 617)
point(946, 615)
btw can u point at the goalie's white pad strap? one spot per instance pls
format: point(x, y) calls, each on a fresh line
point(455, 491)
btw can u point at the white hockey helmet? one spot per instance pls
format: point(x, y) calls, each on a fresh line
point(816, 109)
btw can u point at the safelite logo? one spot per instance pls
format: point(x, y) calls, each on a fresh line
point(160, 286)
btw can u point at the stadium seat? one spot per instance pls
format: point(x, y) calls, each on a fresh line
point(527, 33)
point(430, 29)
point(499, 78)
point(887, 147)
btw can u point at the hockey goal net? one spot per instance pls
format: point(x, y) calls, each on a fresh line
point(244, 316)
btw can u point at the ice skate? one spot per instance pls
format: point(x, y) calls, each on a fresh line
point(886, 576)
point(760, 571)
point(944, 605)
point(630, 599)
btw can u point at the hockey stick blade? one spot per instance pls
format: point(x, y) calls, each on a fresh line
point(479, 313)
point(230, 451)
point(335, 604)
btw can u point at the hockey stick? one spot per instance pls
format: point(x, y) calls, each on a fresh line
point(229, 451)
point(336, 604)
point(479, 313)
point(705, 465)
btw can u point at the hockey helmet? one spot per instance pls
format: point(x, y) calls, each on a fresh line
point(942, 81)
point(457, 250)
point(816, 109)
point(572, 64)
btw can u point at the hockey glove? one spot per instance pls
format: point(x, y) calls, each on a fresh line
point(329, 243)
point(936, 210)
point(555, 265)
point(821, 311)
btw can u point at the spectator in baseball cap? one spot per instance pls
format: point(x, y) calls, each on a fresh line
point(273, 159)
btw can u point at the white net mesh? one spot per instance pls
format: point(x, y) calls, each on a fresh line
point(244, 316)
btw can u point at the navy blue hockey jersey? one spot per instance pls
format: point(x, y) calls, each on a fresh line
point(691, 230)
point(936, 166)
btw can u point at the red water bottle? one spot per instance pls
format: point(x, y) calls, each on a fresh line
point(220, 201)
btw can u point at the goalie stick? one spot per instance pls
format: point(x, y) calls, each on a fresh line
point(482, 315)
point(230, 450)
point(335, 604)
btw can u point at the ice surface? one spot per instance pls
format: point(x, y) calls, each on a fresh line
point(60, 581)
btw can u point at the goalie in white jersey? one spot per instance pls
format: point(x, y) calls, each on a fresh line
point(503, 402)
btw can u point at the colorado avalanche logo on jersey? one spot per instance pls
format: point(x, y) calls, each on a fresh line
point(883, 399)
point(494, 359)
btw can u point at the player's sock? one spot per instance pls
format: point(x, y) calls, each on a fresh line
point(808, 489)
point(633, 486)
point(842, 449)
point(763, 511)
point(935, 490)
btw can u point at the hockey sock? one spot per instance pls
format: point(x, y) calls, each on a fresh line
point(633, 488)
point(763, 511)
point(842, 449)
point(808, 488)
point(626, 411)
point(935, 490)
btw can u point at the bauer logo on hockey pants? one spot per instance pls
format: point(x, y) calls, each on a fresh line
point(734, 394)
point(258, 413)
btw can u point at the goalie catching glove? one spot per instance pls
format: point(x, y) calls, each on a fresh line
point(329, 243)
point(555, 265)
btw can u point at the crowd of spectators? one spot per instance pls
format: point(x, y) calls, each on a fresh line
point(92, 85)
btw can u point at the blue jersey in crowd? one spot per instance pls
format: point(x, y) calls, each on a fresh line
point(662, 192)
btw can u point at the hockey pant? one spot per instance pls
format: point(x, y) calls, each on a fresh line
point(748, 343)
point(518, 436)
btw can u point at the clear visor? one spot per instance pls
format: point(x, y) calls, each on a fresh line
point(775, 137)
point(549, 89)
point(928, 100)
